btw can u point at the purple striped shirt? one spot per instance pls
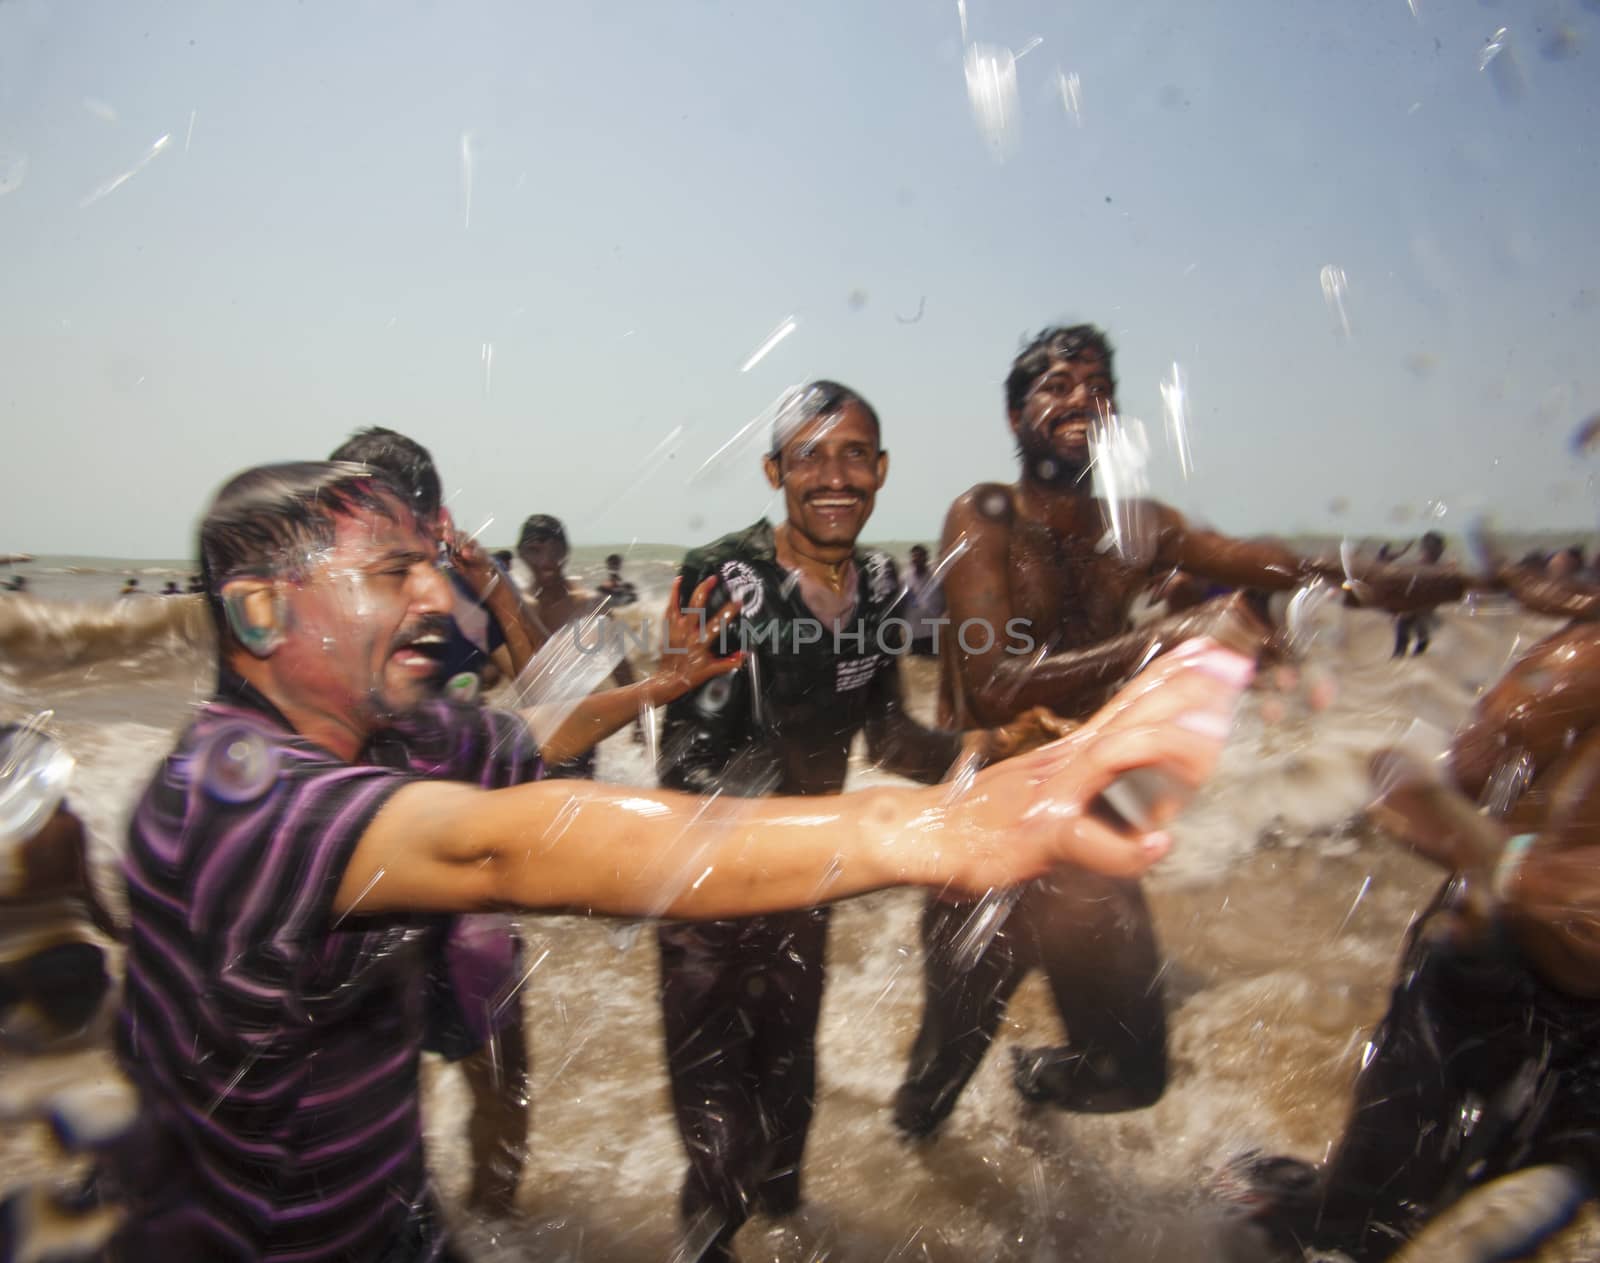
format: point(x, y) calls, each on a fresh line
point(275, 1043)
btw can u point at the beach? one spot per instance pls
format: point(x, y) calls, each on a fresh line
point(1281, 912)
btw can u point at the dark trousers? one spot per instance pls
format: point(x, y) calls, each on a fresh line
point(1093, 938)
point(1477, 1069)
point(739, 1004)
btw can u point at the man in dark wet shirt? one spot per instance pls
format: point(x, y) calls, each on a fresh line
point(1484, 1062)
point(740, 999)
point(1047, 551)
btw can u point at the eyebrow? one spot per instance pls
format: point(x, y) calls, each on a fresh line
point(389, 556)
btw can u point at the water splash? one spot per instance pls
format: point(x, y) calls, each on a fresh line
point(102, 110)
point(992, 92)
point(487, 356)
point(1175, 404)
point(572, 664)
point(34, 774)
point(750, 437)
point(467, 164)
point(1493, 47)
point(1071, 89)
point(13, 171)
point(785, 327)
point(1119, 453)
point(117, 181)
point(1335, 288)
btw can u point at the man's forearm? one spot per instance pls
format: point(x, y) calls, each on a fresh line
point(632, 854)
point(1073, 684)
point(1554, 597)
point(595, 718)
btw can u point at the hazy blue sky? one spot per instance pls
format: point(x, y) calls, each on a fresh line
point(655, 186)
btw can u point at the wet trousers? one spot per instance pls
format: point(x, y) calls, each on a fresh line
point(739, 1006)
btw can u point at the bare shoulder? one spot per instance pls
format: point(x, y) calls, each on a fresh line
point(984, 511)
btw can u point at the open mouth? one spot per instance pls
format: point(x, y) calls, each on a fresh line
point(835, 504)
point(422, 655)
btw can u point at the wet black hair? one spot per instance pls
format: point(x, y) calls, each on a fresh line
point(264, 521)
point(1060, 342)
point(821, 398)
point(541, 527)
point(614, 561)
point(409, 465)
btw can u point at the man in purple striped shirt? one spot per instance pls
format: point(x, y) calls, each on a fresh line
point(303, 846)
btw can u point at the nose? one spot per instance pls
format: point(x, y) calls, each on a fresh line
point(836, 471)
point(431, 590)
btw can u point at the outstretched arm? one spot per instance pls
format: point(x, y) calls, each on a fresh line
point(1559, 598)
point(1548, 695)
point(688, 661)
point(634, 852)
point(999, 682)
point(1273, 568)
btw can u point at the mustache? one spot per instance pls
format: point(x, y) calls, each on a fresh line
point(427, 625)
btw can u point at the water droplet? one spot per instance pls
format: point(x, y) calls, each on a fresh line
point(992, 91)
point(1334, 291)
point(13, 171)
point(237, 765)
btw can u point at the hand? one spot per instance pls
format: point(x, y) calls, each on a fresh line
point(1228, 620)
point(1028, 731)
point(468, 557)
point(1029, 813)
point(690, 657)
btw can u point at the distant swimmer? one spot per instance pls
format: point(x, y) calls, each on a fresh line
point(617, 590)
point(18, 583)
point(172, 588)
point(130, 588)
point(818, 625)
point(925, 604)
point(1418, 625)
point(1041, 554)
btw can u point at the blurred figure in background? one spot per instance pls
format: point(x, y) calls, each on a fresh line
point(616, 589)
point(557, 604)
point(925, 604)
point(1418, 625)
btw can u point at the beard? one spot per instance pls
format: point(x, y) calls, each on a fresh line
point(1042, 463)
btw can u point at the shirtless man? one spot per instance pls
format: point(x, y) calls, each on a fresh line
point(1035, 551)
point(271, 1017)
point(1484, 1062)
point(557, 603)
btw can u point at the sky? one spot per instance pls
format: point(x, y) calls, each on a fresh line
point(548, 241)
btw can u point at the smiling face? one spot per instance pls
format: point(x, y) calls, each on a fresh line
point(363, 622)
point(1052, 426)
point(546, 559)
point(830, 471)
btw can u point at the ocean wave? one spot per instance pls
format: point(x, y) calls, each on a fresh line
point(49, 635)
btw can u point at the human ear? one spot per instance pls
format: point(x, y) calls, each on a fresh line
point(256, 614)
point(773, 468)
